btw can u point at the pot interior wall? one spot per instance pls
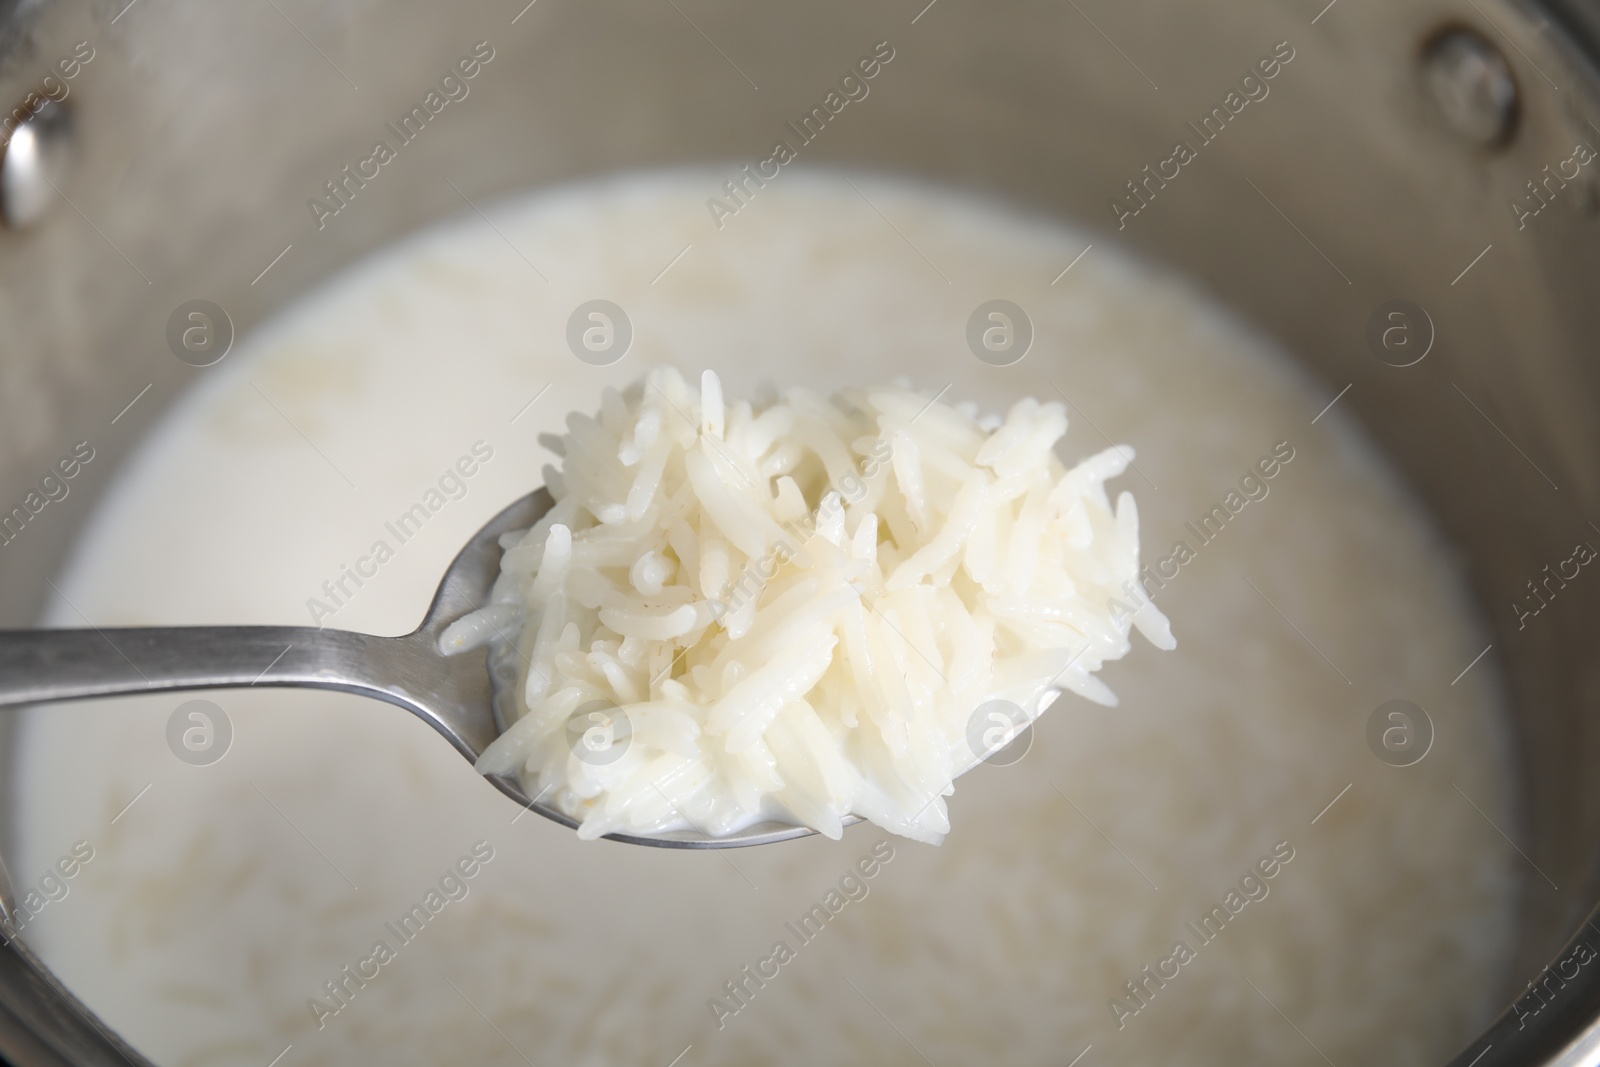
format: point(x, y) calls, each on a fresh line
point(201, 131)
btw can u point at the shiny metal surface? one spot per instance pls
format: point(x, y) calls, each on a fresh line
point(449, 693)
point(1472, 84)
point(32, 161)
point(205, 129)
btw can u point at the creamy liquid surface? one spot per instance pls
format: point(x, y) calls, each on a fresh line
point(222, 900)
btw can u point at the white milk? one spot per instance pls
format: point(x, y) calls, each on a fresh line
point(217, 906)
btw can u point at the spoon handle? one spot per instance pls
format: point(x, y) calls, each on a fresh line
point(45, 665)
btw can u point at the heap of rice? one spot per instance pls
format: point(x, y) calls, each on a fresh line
point(791, 610)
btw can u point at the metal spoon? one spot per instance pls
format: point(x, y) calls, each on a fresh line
point(452, 694)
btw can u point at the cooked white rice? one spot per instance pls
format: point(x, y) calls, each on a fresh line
point(209, 915)
point(792, 610)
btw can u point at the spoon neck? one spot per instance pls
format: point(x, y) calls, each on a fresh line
point(41, 666)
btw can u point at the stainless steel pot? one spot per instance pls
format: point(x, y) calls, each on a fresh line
point(1409, 139)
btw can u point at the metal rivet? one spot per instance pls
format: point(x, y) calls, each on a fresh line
point(33, 158)
point(1472, 85)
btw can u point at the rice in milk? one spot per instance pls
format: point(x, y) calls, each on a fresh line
point(237, 909)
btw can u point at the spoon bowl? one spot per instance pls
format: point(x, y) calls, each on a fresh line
point(453, 694)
